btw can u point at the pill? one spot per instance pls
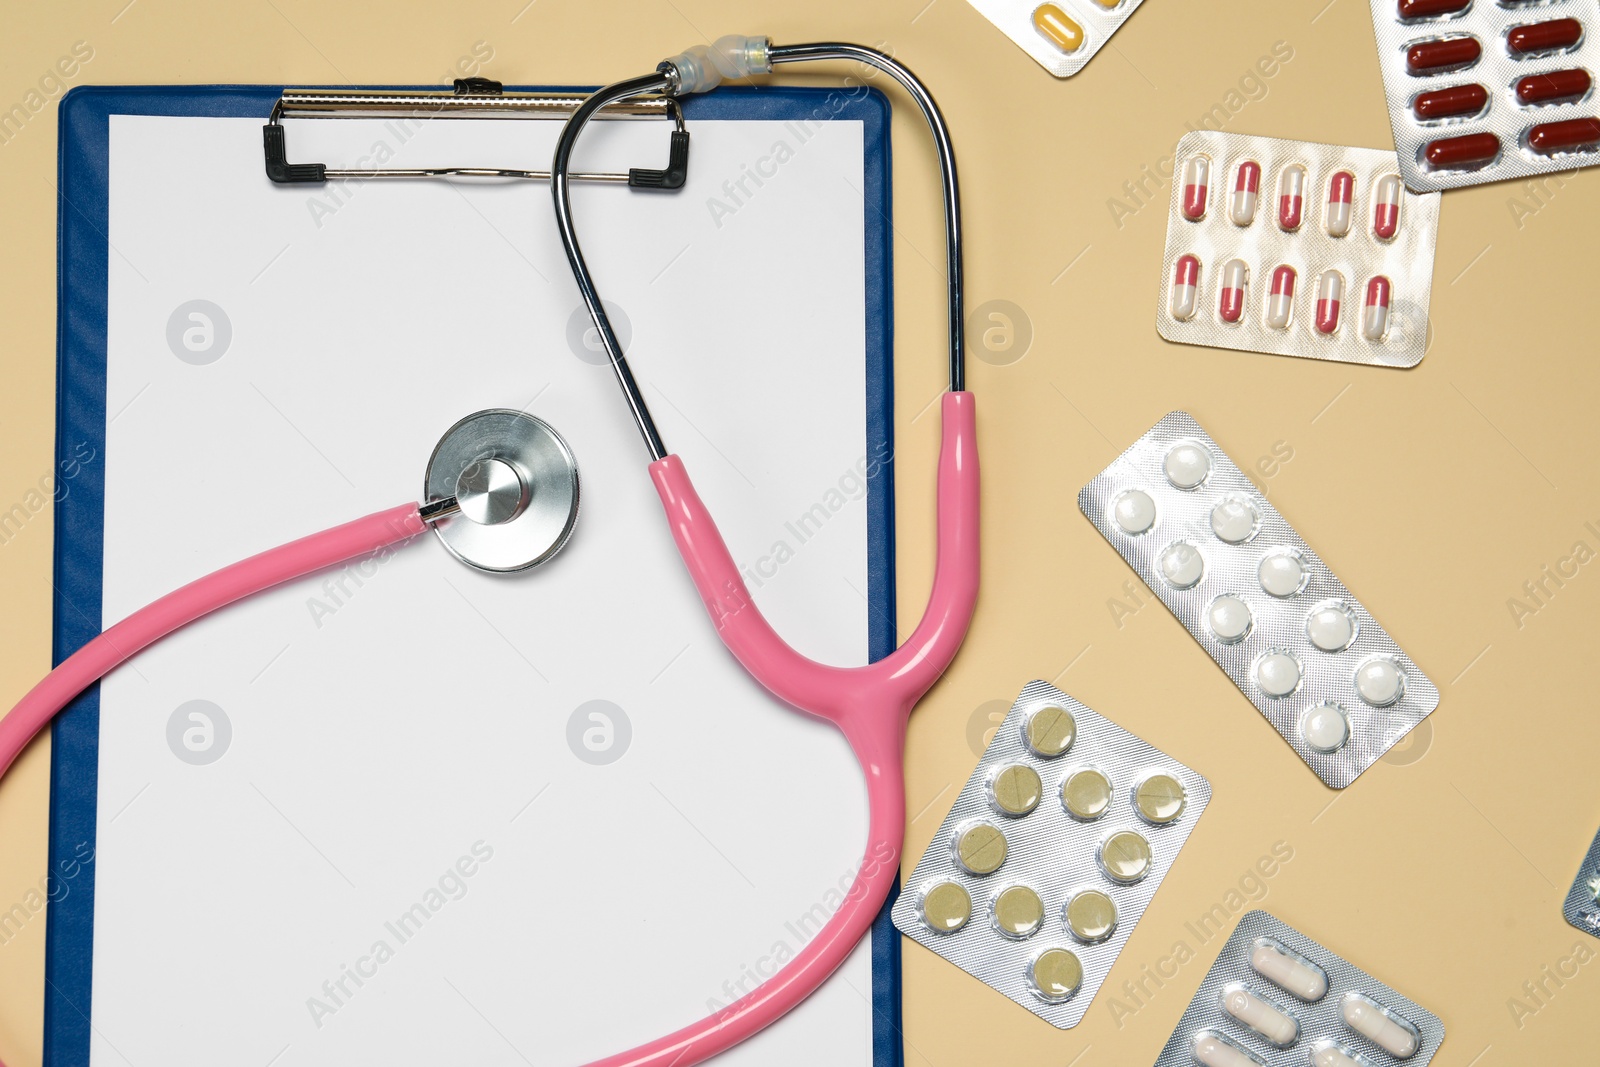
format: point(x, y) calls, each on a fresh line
point(1182, 565)
point(1246, 186)
point(1055, 974)
point(1341, 191)
point(1058, 27)
point(1383, 1028)
point(1422, 9)
point(1544, 36)
point(1086, 794)
point(1213, 1050)
point(1187, 464)
point(1386, 207)
point(1018, 912)
point(1282, 573)
point(1280, 302)
point(1159, 798)
point(1125, 856)
point(1051, 731)
point(1551, 137)
point(1235, 520)
point(1260, 1015)
point(1380, 682)
point(1330, 293)
point(1108, 4)
point(1134, 511)
point(1229, 619)
point(1450, 53)
point(1451, 103)
point(1291, 197)
point(1288, 970)
point(981, 848)
point(1331, 1055)
point(1458, 153)
point(1235, 276)
point(1331, 627)
point(1015, 790)
point(1325, 728)
point(1196, 183)
point(1091, 916)
point(1278, 673)
point(1185, 288)
point(1375, 314)
point(946, 907)
point(1557, 87)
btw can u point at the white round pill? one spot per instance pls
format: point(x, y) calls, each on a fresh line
point(1134, 511)
point(1278, 673)
point(1182, 565)
point(1325, 727)
point(1235, 520)
point(1331, 627)
point(1380, 682)
point(1228, 618)
point(1282, 573)
point(1187, 464)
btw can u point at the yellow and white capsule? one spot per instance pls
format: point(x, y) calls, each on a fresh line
point(1380, 1026)
point(1260, 1015)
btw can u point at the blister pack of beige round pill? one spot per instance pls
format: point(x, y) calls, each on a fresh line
point(1485, 90)
point(1050, 854)
point(1582, 906)
point(1061, 35)
point(1276, 998)
point(1294, 640)
point(1296, 249)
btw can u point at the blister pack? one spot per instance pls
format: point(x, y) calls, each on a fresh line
point(1247, 587)
point(1051, 854)
point(1582, 907)
point(1062, 35)
point(1483, 90)
point(1276, 998)
point(1296, 249)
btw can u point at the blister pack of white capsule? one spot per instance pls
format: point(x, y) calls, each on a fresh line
point(1582, 906)
point(1485, 90)
point(1050, 854)
point(1276, 998)
point(1266, 607)
point(1297, 249)
point(1062, 35)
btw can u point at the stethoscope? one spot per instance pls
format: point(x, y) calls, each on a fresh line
point(501, 492)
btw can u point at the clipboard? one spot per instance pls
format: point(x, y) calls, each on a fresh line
point(90, 400)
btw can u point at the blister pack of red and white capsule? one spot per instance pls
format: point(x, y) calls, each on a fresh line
point(1294, 640)
point(1582, 906)
point(1050, 854)
point(1063, 35)
point(1276, 998)
point(1484, 90)
point(1297, 249)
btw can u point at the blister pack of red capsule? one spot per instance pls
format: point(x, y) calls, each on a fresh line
point(1484, 90)
point(1297, 249)
point(1061, 35)
point(1276, 998)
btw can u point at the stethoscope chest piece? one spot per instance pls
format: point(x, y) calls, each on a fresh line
point(515, 481)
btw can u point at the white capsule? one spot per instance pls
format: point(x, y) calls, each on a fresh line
point(1383, 1028)
point(1259, 1015)
point(1327, 1054)
point(1214, 1050)
point(1287, 970)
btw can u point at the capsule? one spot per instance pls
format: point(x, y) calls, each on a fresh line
point(1330, 291)
point(1213, 1050)
point(1287, 970)
point(1185, 288)
point(1058, 27)
point(1235, 276)
point(1328, 1054)
point(1341, 191)
point(1461, 153)
point(1291, 197)
point(1386, 207)
point(1544, 36)
point(1425, 9)
point(1260, 1015)
point(1196, 184)
point(1557, 87)
point(1551, 137)
point(1451, 103)
point(1246, 184)
point(1375, 314)
point(1437, 56)
point(1389, 1032)
point(1280, 303)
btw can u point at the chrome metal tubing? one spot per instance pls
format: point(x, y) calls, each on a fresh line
point(355, 103)
point(608, 177)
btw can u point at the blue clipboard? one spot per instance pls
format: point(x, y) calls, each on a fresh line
point(82, 285)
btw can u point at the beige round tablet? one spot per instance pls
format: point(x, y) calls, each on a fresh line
point(1051, 731)
point(1086, 793)
point(1018, 912)
point(946, 907)
point(980, 848)
point(1055, 974)
point(1159, 798)
point(1015, 790)
point(1091, 916)
point(1125, 856)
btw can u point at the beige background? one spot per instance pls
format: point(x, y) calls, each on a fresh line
point(1435, 493)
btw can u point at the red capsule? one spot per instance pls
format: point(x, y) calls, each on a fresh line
point(1544, 36)
point(1557, 87)
point(1185, 287)
point(1291, 197)
point(1280, 301)
point(1234, 278)
point(1341, 191)
point(1330, 293)
point(1196, 184)
point(1450, 103)
point(1553, 137)
point(1456, 153)
point(1246, 184)
point(1375, 316)
point(1386, 207)
point(1432, 57)
point(1423, 9)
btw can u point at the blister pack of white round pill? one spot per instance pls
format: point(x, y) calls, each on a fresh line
point(1276, 998)
point(1294, 640)
point(1485, 90)
point(1061, 35)
point(1582, 906)
point(1050, 854)
point(1296, 249)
